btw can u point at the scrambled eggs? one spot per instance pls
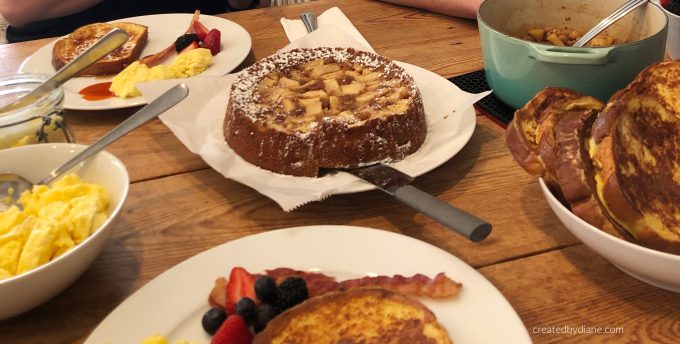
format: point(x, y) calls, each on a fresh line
point(54, 220)
point(185, 65)
point(158, 339)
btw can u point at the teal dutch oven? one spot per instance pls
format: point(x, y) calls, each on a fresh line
point(517, 69)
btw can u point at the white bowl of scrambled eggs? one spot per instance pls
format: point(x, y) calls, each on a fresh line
point(46, 246)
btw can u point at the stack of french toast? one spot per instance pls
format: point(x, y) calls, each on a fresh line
point(616, 165)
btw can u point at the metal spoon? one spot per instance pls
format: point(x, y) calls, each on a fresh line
point(619, 13)
point(309, 19)
point(161, 104)
point(103, 47)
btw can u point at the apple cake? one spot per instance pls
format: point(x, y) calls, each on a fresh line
point(306, 109)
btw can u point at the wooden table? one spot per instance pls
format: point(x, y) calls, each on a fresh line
point(178, 207)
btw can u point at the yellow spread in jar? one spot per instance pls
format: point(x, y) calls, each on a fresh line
point(54, 219)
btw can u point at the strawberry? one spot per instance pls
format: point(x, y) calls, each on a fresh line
point(234, 330)
point(192, 46)
point(201, 30)
point(241, 284)
point(665, 3)
point(212, 41)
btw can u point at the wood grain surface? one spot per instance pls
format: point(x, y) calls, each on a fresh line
point(178, 207)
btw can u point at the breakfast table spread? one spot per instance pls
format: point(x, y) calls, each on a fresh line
point(178, 206)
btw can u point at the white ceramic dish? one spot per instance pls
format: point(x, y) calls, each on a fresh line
point(657, 268)
point(673, 39)
point(23, 292)
point(479, 314)
point(163, 30)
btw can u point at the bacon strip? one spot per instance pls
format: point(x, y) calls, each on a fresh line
point(154, 59)
point(218, 294)
point(317, 283)
point(417, 285)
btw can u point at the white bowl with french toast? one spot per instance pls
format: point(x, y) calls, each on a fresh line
point(654, 267)
point(610, 171)
point(29, 289)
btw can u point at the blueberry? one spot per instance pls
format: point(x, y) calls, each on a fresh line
point(265, 289)
point(245, 307)
point(265, 313)
point(213, 319)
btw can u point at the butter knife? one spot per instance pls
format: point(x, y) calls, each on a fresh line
point(396, 183)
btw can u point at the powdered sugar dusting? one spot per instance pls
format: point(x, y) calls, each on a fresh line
point(246, 97)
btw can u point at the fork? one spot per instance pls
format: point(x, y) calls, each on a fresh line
point(619, 13)
point(309, 19)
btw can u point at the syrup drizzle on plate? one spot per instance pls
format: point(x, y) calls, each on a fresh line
point(99, 91)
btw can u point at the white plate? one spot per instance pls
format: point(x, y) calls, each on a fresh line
point(163, 30)
point(173, 303)
point(202, 133)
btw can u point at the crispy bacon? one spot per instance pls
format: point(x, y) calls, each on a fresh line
point(318, 284)
point(417, 285)
point(154, 59)
point(218, 294)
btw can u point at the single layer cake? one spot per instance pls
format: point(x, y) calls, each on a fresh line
point(300, 111)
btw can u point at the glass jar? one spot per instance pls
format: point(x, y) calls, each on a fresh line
point(38, 122)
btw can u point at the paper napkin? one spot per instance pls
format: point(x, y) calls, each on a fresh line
point(295, 29)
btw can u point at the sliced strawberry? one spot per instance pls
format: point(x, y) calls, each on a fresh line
point(241, 284)
point(234, 330)
point(200, 30)
point(192, 46)
point(212, 41)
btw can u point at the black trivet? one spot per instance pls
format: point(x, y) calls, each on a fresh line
point(475, 82)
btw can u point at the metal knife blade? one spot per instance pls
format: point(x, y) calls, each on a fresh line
point(395, 183)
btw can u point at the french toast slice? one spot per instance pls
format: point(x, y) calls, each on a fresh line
point(364, 315)
point(635, 152)
point(546, 138)
point(67, 48)
point(531, 135)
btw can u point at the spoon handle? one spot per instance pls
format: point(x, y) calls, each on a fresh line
point(103, 47)
point(151, 111)
point(619, 13)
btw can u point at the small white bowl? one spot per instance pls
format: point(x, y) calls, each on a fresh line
point(657, 268)
point(23, 292)
point(673, 38)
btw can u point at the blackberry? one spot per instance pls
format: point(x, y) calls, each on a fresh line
point(292, 291)
point(245, 307)
point(674, 7)
point(265, 289)
point(213, 319)
point(265, 313)
point(184, 40)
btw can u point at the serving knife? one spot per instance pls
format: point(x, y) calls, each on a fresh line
point(396, 183)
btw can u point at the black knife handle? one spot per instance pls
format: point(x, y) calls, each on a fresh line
point(463, 223)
